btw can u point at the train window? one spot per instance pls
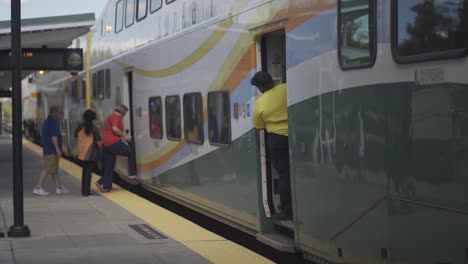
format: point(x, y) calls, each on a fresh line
point(173, 121)
point(170, 1)
point(357, 39)
point(219, 118)
point(101, 85)
point(79, 89)
point(95, 86)
point(429, 30)
point(129, 12)
point(155, 117)
point(142, 9)
point(155, 5)
point(210, 9)
point(108, 84)
point(74, 90)
point(83, 90)
point(119, 15)
point(193, 118)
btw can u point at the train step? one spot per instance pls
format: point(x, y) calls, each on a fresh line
point(277, 241)
point(288, 224)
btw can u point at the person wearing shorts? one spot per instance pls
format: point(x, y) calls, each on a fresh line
point(51, 140)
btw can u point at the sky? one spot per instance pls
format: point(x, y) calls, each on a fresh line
point(45, 8)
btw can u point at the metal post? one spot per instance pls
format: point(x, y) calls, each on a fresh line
point(88, 70)
point(18, 229)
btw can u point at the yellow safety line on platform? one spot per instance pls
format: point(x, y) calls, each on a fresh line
point(207, 244)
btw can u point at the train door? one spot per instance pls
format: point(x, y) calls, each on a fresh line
point(127, 99)
point(271, 52)
point(272, 47)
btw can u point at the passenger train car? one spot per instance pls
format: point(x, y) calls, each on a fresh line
point(378, 117)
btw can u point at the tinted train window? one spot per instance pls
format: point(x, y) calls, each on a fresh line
point(83, 89)
point(95, 86)
point(173, 121)
point(428, 29)
point(357, 38)
point(101, 85)
point(108, 84)
point(119, 14)
point(74, 90)
point(219, 118)
point(155, 117)
point(193, 118)
point(129, 13)
point(142, 9)
point(155, 5)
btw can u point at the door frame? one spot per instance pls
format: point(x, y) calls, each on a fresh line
point(127, 99)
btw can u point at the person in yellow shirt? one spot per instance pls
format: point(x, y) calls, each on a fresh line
point(271, 113)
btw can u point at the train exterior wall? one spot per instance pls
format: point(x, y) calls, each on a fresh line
point(224, 181)
point(379, 159)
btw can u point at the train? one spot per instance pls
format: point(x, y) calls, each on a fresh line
point(377, 113)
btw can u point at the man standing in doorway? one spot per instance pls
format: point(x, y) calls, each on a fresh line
point(271, 113)
point(51, 140)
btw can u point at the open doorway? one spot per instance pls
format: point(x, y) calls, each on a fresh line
point(127, 100)
point(272, 55)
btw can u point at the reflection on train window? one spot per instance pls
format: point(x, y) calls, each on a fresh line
point(170, 1)
point(155, 5)
point(119, 14)
point(129, 12)
point(193, 118)
point(173, 121)
point(95, 86)
point(101, 85)
point(428, 29)
point(155, 117)
point(108, 84)
point(142, 9)
point(219, 118)
point(357, 38)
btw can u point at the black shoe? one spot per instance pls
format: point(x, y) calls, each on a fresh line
point(88, 194)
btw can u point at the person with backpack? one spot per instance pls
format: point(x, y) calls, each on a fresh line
point(88, 145)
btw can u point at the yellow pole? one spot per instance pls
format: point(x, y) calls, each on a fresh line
point(88, 71)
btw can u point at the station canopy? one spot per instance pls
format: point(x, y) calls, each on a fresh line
point(50, 32)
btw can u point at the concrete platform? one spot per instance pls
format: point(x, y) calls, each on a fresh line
point(69, 228)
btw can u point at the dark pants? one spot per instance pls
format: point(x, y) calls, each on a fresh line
point(279, 150)
point(108, 160)
point(86, 175)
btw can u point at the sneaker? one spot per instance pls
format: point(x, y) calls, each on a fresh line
point(40, 191)
point(62, 190)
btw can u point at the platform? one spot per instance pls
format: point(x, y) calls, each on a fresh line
point(117, 227)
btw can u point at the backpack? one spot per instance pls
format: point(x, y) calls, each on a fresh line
point(87, 149)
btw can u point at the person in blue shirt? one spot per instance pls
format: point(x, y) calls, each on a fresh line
point(51, 140)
